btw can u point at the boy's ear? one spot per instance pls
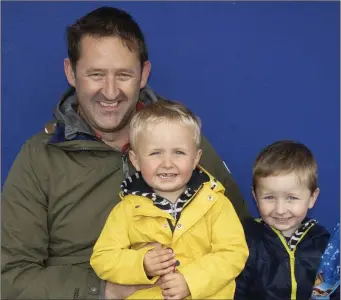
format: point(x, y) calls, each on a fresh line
point(197, 158)
point(254, 196)
point(313, 198)
point(134, 160)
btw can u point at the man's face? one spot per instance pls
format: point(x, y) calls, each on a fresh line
point(108, 79)
point(283, 201)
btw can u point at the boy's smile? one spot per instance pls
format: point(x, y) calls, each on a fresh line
point(166, 155)
point(283, 201)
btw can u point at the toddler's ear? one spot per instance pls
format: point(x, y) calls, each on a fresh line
point(197, 158)
point(134, 160)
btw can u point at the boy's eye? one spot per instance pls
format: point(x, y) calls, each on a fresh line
point(292, 198)
point(269, 197)
point(154, 153)
point(179, 152)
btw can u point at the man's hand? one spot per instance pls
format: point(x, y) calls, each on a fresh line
point(158, 261)
point(123, 291)
point(174, 286)
point(119, 291)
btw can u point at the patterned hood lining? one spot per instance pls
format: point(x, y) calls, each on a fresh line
point(135, 185)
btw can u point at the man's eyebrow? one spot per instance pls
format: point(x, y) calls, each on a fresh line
point(91, 69)
point(126, 70)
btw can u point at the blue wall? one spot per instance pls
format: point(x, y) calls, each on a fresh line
point(255, 72)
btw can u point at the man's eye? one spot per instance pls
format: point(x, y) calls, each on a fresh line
point(96, 75)
point(124, 76)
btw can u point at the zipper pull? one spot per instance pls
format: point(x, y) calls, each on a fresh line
point(125, 165)
point(173, 207)
point(124, 157)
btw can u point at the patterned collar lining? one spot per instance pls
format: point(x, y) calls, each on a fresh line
point(299, 232)
point(135, 185)
point(294, 239)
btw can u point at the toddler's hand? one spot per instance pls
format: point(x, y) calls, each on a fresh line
point(174, 286)
point(158, 262)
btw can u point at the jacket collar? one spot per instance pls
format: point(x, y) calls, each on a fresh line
point(305, 226)
point(135, 185)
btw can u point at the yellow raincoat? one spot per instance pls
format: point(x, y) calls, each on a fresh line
point(208, 240)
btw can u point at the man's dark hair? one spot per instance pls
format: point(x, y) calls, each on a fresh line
point(104, 22)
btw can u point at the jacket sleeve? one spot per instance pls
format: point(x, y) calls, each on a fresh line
point(229, 252)
point(25, 240)
point(112, 259)
point(211, 161)
point(245, 280)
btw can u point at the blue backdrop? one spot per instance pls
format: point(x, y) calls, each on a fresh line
point(255, 72)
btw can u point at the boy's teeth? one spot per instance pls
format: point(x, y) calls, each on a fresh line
point(167, 175)
point(109, 105)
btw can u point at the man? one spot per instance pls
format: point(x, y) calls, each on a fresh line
point(65, 181)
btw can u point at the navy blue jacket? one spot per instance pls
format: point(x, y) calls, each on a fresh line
point(274, 270)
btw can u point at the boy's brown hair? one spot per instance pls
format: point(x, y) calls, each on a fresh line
point(285, 157)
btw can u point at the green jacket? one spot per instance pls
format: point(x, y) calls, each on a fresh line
point(55, 201)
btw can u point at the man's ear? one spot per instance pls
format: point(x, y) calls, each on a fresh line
point(134, 160)
point(313, 198)
point(145, 73)
point(69, 73)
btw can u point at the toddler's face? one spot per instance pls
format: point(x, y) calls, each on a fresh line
point(166, 155)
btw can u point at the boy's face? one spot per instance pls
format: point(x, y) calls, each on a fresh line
point(166, 155)
point(283, 201)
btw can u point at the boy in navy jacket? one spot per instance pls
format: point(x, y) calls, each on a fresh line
point(285, 246)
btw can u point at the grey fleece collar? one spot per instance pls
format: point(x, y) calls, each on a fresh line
point(66, 111)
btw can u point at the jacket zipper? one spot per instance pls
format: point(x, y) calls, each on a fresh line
point(173, 213)
point(291, 254)
point(125, 165)
point(173, 207)
point(124, 157)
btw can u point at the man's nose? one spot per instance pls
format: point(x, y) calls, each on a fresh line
point(110, 89)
